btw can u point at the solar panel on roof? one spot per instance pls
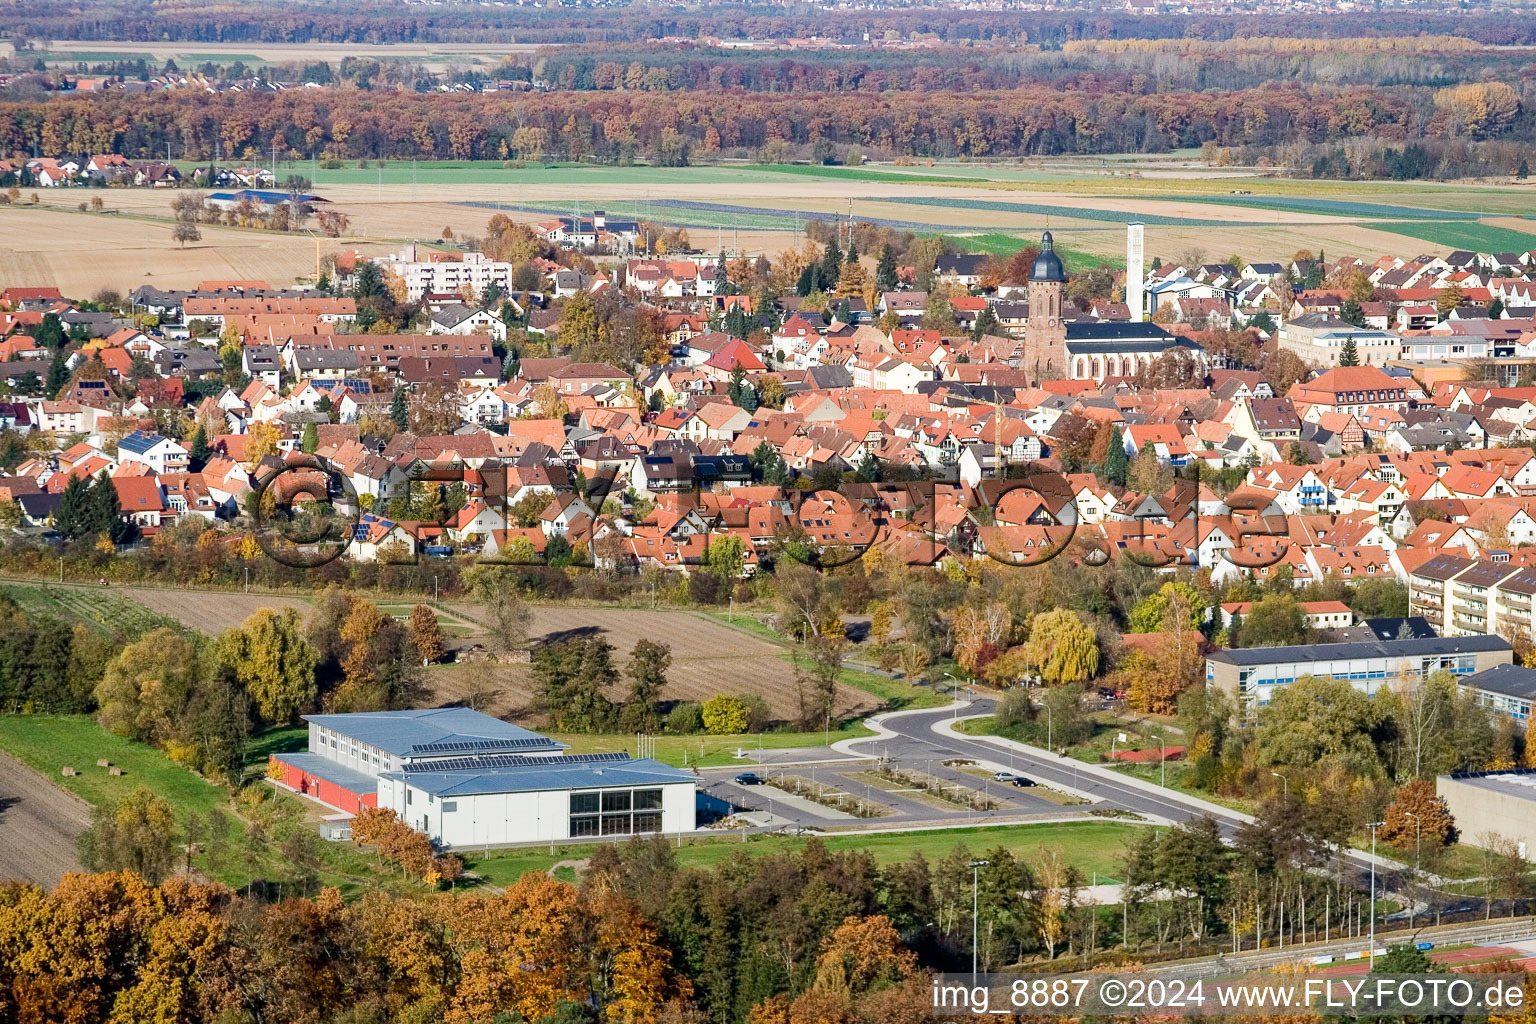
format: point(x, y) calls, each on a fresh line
point(478, 746)
point(486, 762)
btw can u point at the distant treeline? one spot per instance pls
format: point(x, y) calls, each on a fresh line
point(1154, 66)
point(387, 23)
point(673, 130)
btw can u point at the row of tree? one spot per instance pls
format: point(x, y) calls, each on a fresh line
point(674, 129)
point(313, 22)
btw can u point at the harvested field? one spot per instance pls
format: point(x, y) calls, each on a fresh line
point(707, 658)
point(38, 825)
point(209, 611)
point(81, 253)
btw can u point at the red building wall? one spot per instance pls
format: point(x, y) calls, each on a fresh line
point(326, 792)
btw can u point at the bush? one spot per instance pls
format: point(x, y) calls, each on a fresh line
point(725, 715)
point(685, 718)
point(704, 588)
point(1016, 707)
point(758, 715)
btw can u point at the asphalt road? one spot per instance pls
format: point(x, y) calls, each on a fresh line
point(917, 741)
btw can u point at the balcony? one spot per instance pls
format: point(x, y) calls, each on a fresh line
point(1426, 601)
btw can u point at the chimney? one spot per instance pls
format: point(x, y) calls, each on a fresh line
point(1135, 275)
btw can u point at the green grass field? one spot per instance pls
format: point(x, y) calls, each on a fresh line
point(482, 172)
point(1464, 235)
point(898, 174)
point(49, 742)
point(102, 610)
point(1053, 210)
point(221, 58)
point(1335, 207)
point(998, 243)
point(707, 751)
point(1092, 846)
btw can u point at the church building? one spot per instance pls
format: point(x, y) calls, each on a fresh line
point(1059, 346)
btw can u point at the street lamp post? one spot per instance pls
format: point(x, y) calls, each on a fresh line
point(1162, 758)
point(976, 866)
point(1373, 826)
point(1285, 785)
point(1418, 840)
point(1048, 745)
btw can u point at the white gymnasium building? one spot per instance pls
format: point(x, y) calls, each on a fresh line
point(467, 779)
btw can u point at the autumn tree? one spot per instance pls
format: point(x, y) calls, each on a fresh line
point(724, 715)
point(864, 953)
point(261, 441)
point(649, 661)
point(435, 409)
point(980, 633)
point(138, 834)
point(1283, 369)
point(1449, 298)
point(426, 634)
point(146, 687)
point(273, 662)
point(1063, 646)
point(1417, 814)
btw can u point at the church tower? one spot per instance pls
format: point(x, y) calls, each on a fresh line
point(1045, 336)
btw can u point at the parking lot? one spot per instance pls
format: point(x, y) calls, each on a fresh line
point(831, 791)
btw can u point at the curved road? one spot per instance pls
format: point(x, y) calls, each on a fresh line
point(917, 740)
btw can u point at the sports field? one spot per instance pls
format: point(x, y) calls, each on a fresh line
point(1095, 848)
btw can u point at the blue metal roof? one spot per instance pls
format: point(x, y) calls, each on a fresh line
point(261, 195)
point(403, 732)
point(1429, 646)
point(582, 774)
point(349, 779)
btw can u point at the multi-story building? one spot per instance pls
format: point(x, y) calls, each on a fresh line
point(1466, 597)
point(1253, 675)
point(448, 273)
point(1351, 389)
point(1319, 339)
point(1507, 689)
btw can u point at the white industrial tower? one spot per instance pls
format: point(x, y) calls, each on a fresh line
point(1135, 273)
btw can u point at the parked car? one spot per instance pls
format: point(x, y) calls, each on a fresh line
point(1004, 776)
point(1022, 782)
point(749, 779)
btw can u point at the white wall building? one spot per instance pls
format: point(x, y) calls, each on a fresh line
point(448, 276)
point(467, 779)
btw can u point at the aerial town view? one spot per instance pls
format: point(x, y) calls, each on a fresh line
point(739, 513)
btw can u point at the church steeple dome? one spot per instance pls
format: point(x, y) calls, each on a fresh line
point(1047, 265)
